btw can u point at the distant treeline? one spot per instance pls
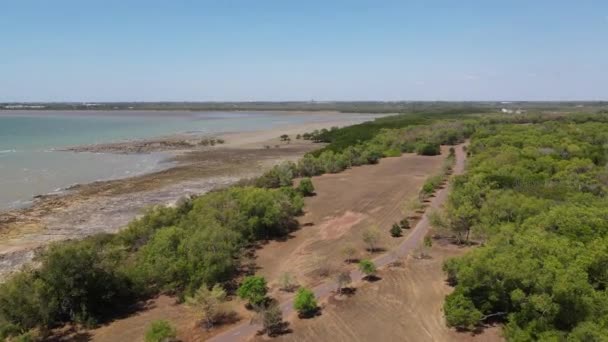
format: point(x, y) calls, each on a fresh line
point(339, 106)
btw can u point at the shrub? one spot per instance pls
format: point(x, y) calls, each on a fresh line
point(305, 302)
point(309, 166)
point(431, 184)
point(395, 230)
point(371, 156)
point(253, 289)
point(460, 312)
point(428, 149)
point(279, 176)
point(404, 224)
point(367, 267)
point(331, 163)
point(160, 331)
point(306, 188)
point(428, 241)
point(428, 188)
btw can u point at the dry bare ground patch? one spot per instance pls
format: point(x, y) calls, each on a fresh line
point(345, 205)
point(404, 306)
point(189, 326)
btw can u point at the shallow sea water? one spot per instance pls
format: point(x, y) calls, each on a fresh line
point(29, 164)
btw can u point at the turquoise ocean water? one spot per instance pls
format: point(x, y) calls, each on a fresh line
point(29, 164)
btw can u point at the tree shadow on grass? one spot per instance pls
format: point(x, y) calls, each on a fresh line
point(352, 260)
point(372, 278)
point(229, 317)
point(281, 329)
point(347, 291)
point(310, 314)
point(444, 240)
point(376, 250)
point(480, 328)
point(70, 334)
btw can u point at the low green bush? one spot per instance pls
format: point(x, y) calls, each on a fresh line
point(160, 331)
point(306, 188)
point(432, 184)
point(279, 176)
point(367, 267)
point(305, 302)
point(253, 289)
point(395, 230)
point(428, 149)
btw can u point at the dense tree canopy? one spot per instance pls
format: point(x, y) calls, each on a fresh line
point(536, 194)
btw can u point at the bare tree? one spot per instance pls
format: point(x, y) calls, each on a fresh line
point(349, 252)
point(371, 237)
point(209, 303)
point(271, 319)
point(343, 279)
point(287, 282)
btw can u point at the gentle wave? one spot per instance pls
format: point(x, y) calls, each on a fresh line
point(8, 151)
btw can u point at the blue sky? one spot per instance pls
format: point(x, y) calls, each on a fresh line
point(300, 50)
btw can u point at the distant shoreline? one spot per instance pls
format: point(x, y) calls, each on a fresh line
point(265, 106)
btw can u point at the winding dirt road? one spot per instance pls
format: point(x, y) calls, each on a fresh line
point(244, 331)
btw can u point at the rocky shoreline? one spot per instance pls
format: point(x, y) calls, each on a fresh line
point(164, 144)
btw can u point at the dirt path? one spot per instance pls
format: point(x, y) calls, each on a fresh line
point(323, 291)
